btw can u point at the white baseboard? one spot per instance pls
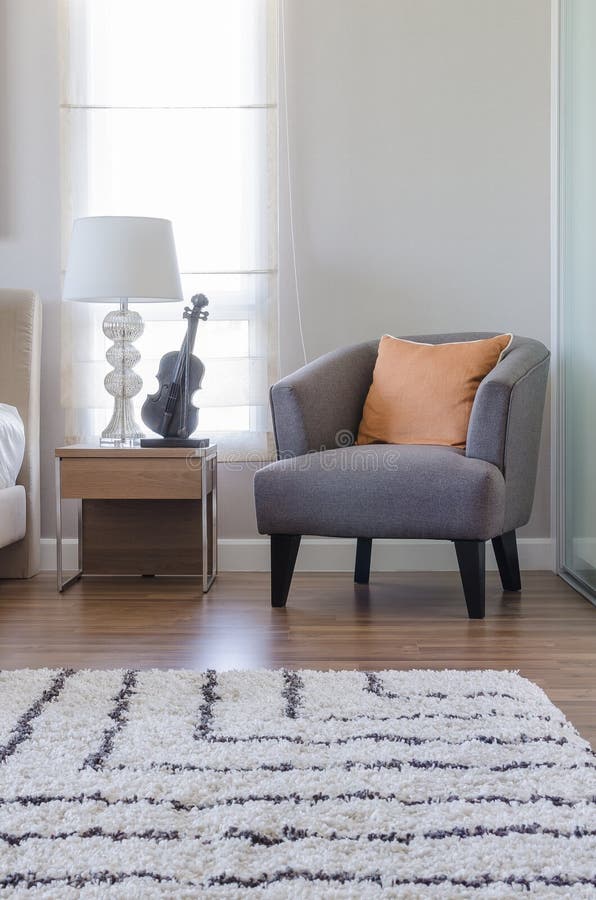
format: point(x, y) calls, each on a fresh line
point(337, 555)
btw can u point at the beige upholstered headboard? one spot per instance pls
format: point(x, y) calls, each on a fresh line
point(20, 362)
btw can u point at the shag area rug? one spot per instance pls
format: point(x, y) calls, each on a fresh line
point(291, 784)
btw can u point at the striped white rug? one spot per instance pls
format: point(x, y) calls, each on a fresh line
point(291, 784)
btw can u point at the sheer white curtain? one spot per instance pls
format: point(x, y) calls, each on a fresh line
point(169, 109)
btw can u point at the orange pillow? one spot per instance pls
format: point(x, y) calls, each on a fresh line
point(423, 393)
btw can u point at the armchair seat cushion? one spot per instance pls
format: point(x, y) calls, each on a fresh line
point(382, 491)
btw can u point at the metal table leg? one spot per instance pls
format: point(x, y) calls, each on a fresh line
point(214, 514)
point(61, 583)
point(207, 465)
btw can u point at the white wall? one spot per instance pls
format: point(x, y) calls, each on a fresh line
point(419, 147)
point(30, 193)
point(420, 172)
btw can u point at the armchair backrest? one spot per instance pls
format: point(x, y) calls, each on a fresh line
point(319, 407)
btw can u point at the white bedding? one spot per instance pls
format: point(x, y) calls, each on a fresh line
point(12, 445)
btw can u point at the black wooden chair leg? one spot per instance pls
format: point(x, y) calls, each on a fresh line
point(505, 547)
point(471, 560)
point(362, 566)
point(284, 550)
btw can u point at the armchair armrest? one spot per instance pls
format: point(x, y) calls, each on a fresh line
point(506, 423)
point(320, 405)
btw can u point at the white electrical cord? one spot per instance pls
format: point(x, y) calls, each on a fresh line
point(289, 170)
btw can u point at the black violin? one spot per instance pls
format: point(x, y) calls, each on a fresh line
point(170, 411)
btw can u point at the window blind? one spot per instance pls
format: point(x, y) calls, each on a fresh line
point(169, 108)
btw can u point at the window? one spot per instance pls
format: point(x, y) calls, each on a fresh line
point(169, 109)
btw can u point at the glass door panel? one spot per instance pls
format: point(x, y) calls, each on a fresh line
point(578, 285)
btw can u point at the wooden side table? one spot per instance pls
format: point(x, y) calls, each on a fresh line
point(142, 511)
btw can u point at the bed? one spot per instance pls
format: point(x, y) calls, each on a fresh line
point(20, 353)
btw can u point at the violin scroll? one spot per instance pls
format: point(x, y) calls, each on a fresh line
point(197, 310)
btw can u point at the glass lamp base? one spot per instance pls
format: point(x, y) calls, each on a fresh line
point(122, 427)
point(115, 443)
point(122, 326)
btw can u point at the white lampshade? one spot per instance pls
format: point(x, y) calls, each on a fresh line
point(122, 257)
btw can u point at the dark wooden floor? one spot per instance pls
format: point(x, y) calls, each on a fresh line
point(400, 621)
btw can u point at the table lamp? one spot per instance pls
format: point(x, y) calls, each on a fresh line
point(123, 258)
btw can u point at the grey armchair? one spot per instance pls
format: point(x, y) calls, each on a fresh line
point(322, 484)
